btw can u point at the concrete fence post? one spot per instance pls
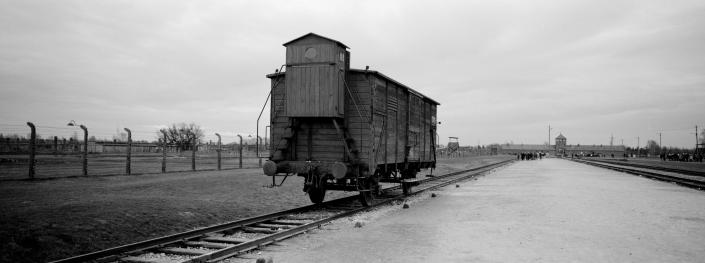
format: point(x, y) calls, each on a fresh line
point(193, 154)
point(56, 144)
point(128, 162)
point(259, 158)
point(85, 149)
point(240, 150)
point(32, 149)
point(164, 152)
point(219, 148)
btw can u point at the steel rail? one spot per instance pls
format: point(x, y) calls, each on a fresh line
point(114, 254)
point(695, 184)
point(661, 168)
point(235, 250)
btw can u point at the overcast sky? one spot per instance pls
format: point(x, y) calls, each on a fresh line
point(502, 70)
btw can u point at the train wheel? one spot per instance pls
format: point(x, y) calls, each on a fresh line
point(406, 188)
point(371, 187)
point(408, 174)
point(317, 195)
point(366, 198)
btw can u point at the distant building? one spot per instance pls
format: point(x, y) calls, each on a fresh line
point(561, 148)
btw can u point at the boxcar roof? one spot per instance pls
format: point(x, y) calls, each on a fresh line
point(273, 75)
point(395, 82)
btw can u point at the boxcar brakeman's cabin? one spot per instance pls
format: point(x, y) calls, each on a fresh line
point(345, 129)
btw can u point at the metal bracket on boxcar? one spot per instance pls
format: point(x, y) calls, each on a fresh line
point(283, 180)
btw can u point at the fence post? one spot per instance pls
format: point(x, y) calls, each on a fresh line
point(164, 152)
point(216, 134)
point(129, 152)
point(32, 149)
point(193, 154)
point(85, 149)
point(259, 159)
point(56, 144)
point(240, 150)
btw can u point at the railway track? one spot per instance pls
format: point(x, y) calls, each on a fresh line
point(666, 169)
point(219, 242)
point(683, 180)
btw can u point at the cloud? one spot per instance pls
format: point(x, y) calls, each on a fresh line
point(502, 70)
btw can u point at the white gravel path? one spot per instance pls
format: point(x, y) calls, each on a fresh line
point(550, 210)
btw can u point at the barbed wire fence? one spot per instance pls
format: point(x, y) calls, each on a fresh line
point(36, 151)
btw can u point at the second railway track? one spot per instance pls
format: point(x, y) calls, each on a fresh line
point(219, 242)
point(661, 168)
point(685, 179)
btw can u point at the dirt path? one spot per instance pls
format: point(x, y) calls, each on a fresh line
point(532, 211)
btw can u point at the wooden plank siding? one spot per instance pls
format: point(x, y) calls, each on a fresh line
point(325, 53)
point(277, 113)
point(315, 83)
point(313, 91)
point(403, 123)
point(358, 114)
point(325, 143)
point(381, 116)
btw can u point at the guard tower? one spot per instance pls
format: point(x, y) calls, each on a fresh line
point(316, 67)
point(561, 143)
point(453, 145)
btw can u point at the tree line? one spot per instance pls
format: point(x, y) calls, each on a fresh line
point(183, 135)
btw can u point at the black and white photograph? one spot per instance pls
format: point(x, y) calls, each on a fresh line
point(271, 131)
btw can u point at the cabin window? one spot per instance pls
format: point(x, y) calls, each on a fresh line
point(310, 53)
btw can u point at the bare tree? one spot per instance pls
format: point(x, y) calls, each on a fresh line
point(119, 136)
point(183, 135)
point(653, 147)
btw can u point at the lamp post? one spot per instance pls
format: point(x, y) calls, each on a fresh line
point(85, 145)
point(216, 134)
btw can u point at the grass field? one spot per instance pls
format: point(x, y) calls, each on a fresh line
point(53, 219)
point(15, 167)
point(690, 166)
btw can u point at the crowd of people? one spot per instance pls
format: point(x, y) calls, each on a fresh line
point(530, 156)
point(682, 157)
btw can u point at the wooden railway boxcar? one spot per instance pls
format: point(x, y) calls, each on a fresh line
point(345, 129)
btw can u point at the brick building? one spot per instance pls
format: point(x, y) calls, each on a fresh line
point(562, 148)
